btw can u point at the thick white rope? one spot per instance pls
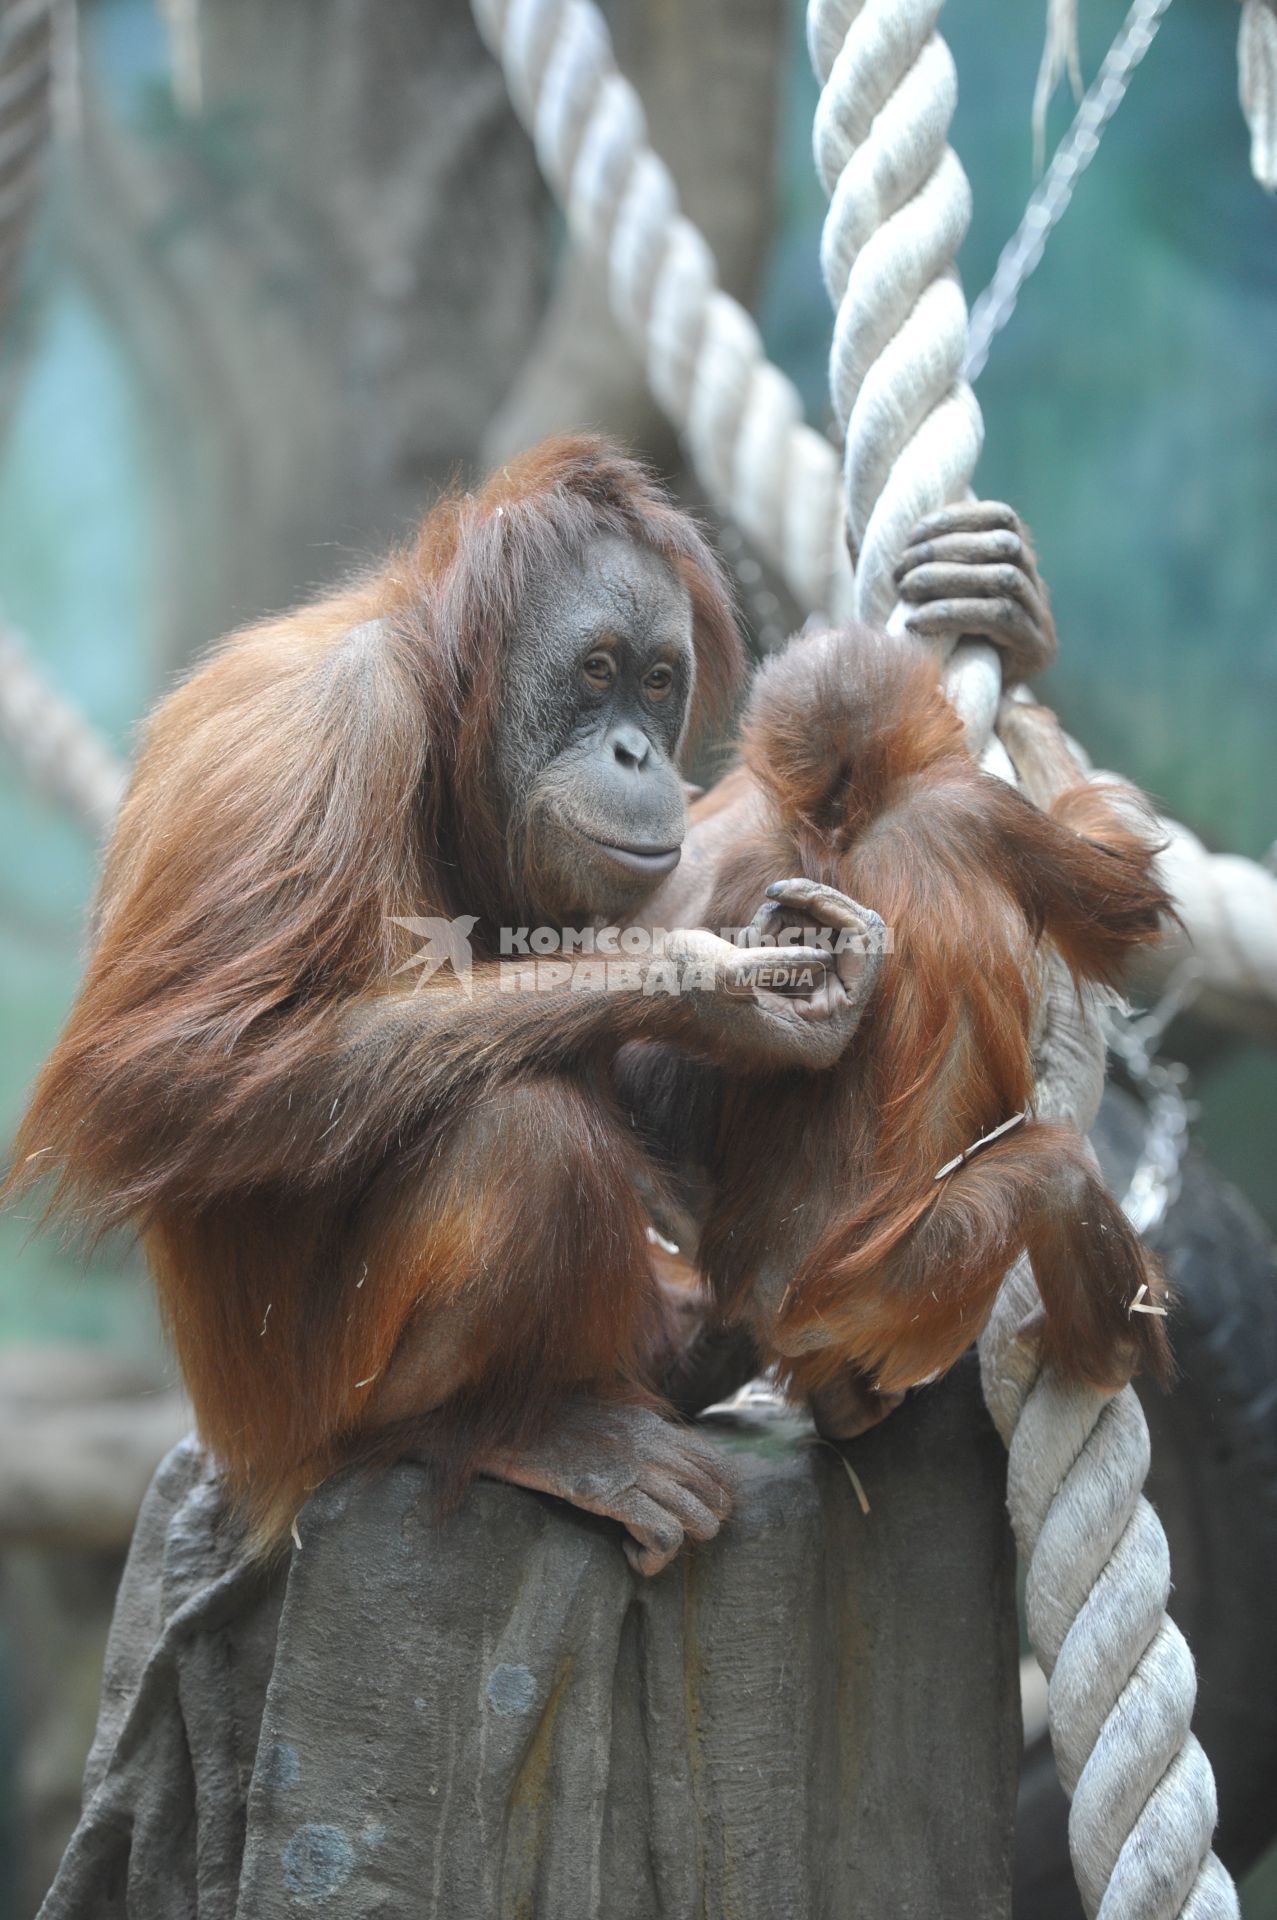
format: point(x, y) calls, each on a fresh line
point(1226, 905)
point(1121, 1683)
point(704, 357)
point(57, 749)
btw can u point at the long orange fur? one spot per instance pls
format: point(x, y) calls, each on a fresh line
point(301, 1207)
point(867, 785)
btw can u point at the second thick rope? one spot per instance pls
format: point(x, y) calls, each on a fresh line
point(1121, 1680)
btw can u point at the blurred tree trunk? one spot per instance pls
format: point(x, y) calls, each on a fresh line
point(326, 280)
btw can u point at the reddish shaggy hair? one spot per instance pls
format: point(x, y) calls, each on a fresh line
point(872, 790)
point(316, 775)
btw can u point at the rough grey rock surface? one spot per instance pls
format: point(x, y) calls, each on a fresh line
point(492, 1717)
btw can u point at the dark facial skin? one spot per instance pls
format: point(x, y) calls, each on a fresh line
point(595, 706)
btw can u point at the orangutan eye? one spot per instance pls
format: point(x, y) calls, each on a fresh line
point(599, 671)
point(658, 682)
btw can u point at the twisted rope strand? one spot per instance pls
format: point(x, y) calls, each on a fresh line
point(1257, 86)
point(704, 358)
point(56, 748)
point(1121, 1683)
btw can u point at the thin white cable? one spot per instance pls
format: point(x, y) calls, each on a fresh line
point(1257, 86)
point(1049, 201)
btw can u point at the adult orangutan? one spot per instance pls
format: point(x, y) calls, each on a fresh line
point(383, 1219)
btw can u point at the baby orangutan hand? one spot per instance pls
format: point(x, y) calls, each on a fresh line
point(854, 936)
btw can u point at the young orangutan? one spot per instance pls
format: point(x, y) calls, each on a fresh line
point(845, 1220)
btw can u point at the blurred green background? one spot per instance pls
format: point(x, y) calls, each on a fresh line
point(265, 311)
